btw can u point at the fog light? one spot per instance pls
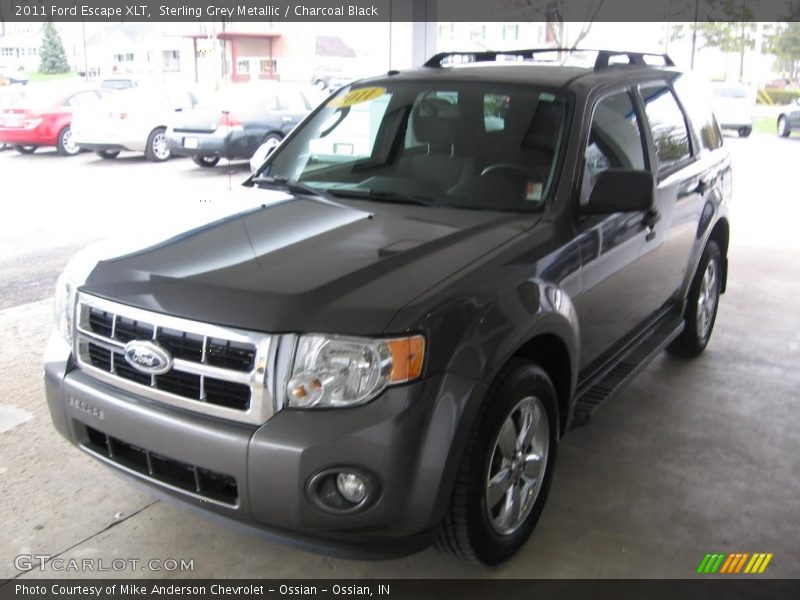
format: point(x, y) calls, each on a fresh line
point(352, 487)
point(343, 490)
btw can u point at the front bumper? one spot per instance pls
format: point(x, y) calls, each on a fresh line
point(222, 143)
point(408, 438)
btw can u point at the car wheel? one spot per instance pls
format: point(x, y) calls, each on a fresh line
point(783, 127)
point(107, 154)
point(157, 149)
point(205, 161)
point(65, 144)
point(701, 305)
point(744, 131)
point(25, 149)
point(505, 474)
point(271, 141)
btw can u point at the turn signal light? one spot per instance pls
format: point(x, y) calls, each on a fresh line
point(407, 358)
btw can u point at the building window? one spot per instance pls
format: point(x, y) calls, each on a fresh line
point(171, 60)
point(243, 66)
point(511, 32)
point(122, 58)
point(477, 33)
point(267, 66)
point(446, 32)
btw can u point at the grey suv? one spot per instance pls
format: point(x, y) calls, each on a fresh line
point(434, 277)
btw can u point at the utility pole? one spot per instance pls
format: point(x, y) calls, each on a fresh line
point(85, 56)
point(694, 31)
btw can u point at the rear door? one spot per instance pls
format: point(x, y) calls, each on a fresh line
point(683, 178)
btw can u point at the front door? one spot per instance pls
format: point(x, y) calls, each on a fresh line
point(618, 266)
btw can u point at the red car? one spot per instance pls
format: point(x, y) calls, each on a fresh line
point(42, 117)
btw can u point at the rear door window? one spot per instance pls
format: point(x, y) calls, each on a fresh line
point(668, 126)
point(694, 97)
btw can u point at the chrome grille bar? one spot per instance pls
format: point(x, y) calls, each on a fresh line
point(230, 346)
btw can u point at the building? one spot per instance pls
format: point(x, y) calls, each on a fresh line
point(19, 46)
point(141, 49)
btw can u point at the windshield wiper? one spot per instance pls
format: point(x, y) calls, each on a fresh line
point(382, 196)
point(292, 186)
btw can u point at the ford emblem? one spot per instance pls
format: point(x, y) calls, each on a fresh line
point(148, 357)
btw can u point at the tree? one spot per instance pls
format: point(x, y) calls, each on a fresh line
point(715, 24)
point(53, 58)
point(556, 14)
point(784, 43)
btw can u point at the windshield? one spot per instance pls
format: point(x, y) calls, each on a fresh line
point(480, 146)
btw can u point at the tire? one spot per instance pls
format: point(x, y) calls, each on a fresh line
point(205, 161)
point(107, 154)
point(480, 530)
point(783, 127)
point(744, 131)
point(271, 140)
point(701, 305)
point(157, 150)
point(25, 149)
point(64, 145)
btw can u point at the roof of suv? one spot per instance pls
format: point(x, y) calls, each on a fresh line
point(552, 74)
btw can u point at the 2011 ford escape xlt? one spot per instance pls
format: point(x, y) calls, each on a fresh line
point(379, 342)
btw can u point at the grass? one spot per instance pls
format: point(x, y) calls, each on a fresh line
point(765, 124)
point(36, 76)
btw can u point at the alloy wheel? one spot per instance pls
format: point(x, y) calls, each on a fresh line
point(160, 150)
point(70, 147)
point(517, 466)
point(707, 300)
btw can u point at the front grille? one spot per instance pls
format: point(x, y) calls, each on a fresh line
point(215, 370)
point(190, 478)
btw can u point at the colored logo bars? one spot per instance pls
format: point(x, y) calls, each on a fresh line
point(734, 563)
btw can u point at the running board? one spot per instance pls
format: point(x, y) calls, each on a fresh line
point(627, 365)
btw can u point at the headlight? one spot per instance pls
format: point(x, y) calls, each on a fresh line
point(64, 310)
point(74, 276)
point(343, 371)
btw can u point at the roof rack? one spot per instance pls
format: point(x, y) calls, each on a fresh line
point(603, 60)
point(634, 58)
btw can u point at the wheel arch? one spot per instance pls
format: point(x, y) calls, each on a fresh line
point(721, 234)
point(551, 353)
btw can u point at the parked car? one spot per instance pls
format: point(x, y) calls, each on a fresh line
point(234, 123)
point(372, 348)
point(734, 106)
point(789, 119)
point(133, 119)
point(12, 78)
point(43, 117)
point(119, 83)
point(331, 78)
point(9, 96)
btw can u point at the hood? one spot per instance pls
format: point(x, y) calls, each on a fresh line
point(272, 262)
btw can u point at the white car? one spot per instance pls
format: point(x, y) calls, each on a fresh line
point(134, 119)
point(734, 105)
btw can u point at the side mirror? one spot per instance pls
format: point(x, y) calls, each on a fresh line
point(621, 190)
